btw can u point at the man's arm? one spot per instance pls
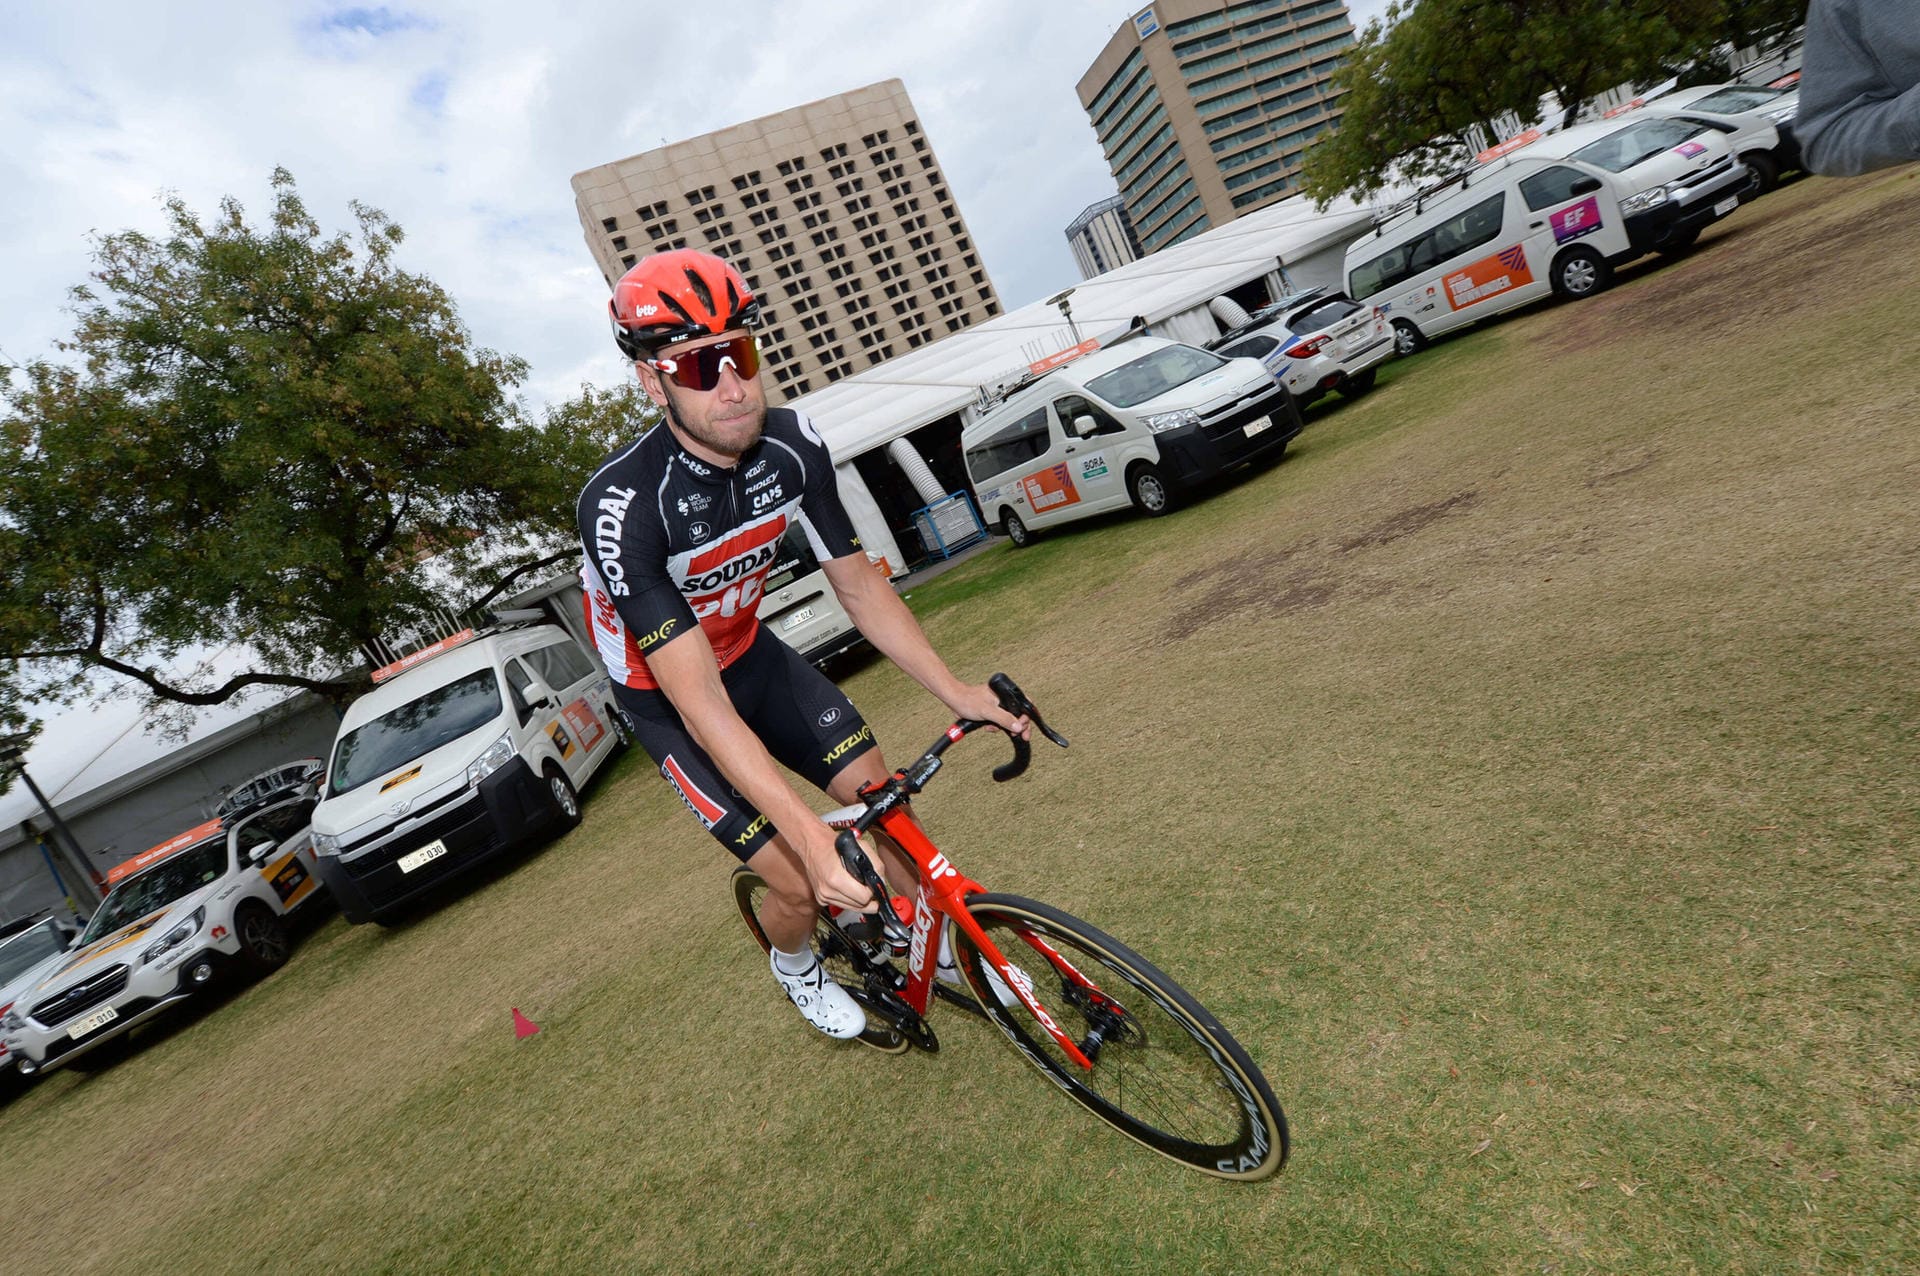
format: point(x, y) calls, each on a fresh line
point(890, 626)
point(688, 674)
point(1859, 100)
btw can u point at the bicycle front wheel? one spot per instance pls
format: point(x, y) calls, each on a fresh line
point(1165, 1073)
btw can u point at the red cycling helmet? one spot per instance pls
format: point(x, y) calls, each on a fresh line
point(675, 295)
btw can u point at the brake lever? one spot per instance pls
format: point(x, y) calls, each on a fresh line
point(1015, 701)
point(857, 863)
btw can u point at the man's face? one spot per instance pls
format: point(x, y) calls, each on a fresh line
point(719, 424)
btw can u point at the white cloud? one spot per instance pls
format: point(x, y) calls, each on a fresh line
point(464, 121)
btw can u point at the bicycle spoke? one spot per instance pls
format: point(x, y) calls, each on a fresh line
point(1163, 1071)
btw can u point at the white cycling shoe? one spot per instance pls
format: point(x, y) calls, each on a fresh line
point(821, 1001)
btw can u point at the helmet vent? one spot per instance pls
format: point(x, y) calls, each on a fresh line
point(700, 290)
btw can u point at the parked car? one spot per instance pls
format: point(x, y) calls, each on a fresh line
point(298, 778)
point(214, 898)
point(1134, 423)
point(28, 955)
point(465, 749)
point(1744, 112)
point(1315, 342)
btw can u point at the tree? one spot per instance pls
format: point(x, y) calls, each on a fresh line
point(270, 437)
point(1418, 85)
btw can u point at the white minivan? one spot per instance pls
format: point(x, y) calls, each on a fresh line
point(1134, 423)
point(1556, 215)
point(463, 749)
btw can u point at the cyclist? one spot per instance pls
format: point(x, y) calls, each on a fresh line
point(680, 528)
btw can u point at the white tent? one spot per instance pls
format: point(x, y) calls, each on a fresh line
point(1170, 290)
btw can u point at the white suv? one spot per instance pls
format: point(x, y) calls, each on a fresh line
point(1315, 342)
point(215, 896)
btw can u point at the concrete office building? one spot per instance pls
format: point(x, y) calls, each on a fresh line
point(837, 212)
point(1101, 237)
point(1204, 108)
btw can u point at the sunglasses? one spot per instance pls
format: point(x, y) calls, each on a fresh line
point(699, 368)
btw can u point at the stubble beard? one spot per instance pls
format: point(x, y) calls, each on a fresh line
point(732, 437)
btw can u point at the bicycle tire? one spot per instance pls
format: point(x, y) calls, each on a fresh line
point(1171, 1078)
point(832, 944)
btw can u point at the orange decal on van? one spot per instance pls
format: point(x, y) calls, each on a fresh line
point(1050, 489)
point(1488, 277)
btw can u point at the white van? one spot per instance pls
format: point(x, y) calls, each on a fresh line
point(462, 750)
point(1134, 423)
point(1557, 215)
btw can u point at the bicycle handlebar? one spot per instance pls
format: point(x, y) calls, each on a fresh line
point(906, 783)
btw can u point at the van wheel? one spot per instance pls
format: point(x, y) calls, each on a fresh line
point(1765, 170)
point(1579, 273)
point(622, 738)
point(562, 801)
point(1015, 529)
point(1149, 490)
point(1407, 339)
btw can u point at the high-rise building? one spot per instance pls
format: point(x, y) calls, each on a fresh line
point(1205, 107)
point(1102, 237)
point(836, 212)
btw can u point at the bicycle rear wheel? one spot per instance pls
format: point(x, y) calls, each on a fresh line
point(1165, 1073)
point(835, 949)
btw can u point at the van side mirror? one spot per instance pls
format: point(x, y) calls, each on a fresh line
point(1083, 426)
point(1584, 186)
point(258, 854)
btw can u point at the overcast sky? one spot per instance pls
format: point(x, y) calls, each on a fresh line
point(464, 120)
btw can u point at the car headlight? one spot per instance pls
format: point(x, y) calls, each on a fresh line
point(174, 938)
point(11, 1021)
point(1643, 201)
point(498, 754)
point(1161, 422)
point(326, 843)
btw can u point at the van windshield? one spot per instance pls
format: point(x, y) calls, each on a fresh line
point(414, 730)
point(1636, 143)
point(1152, 375)
point(1736, 98)
point(28, 949)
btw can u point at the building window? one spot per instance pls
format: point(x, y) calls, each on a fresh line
point(609, 224)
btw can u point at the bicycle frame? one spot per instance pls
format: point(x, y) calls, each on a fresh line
point(943, 889)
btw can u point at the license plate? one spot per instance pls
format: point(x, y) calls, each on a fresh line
point(425, 855)
point(98, 1019)
point(795, 618)
point(1255, 426)
point(1726, 206)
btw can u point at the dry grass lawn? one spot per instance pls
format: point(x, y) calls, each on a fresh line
point(1524, 771)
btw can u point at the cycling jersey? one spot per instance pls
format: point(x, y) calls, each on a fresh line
point(672, 541)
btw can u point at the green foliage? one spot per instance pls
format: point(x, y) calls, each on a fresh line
point(270, 436)
point(1417, 83)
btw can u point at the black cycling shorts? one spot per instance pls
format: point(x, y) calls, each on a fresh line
point(806, 723)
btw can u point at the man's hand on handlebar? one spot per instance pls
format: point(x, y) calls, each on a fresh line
point(979, 702)
point(833, 886)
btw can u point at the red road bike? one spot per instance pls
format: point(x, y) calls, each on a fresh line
point(1099, 1020)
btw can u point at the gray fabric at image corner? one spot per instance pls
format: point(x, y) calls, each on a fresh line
point(1860, 86)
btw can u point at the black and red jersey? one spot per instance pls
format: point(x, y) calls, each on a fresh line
point(672, 540)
